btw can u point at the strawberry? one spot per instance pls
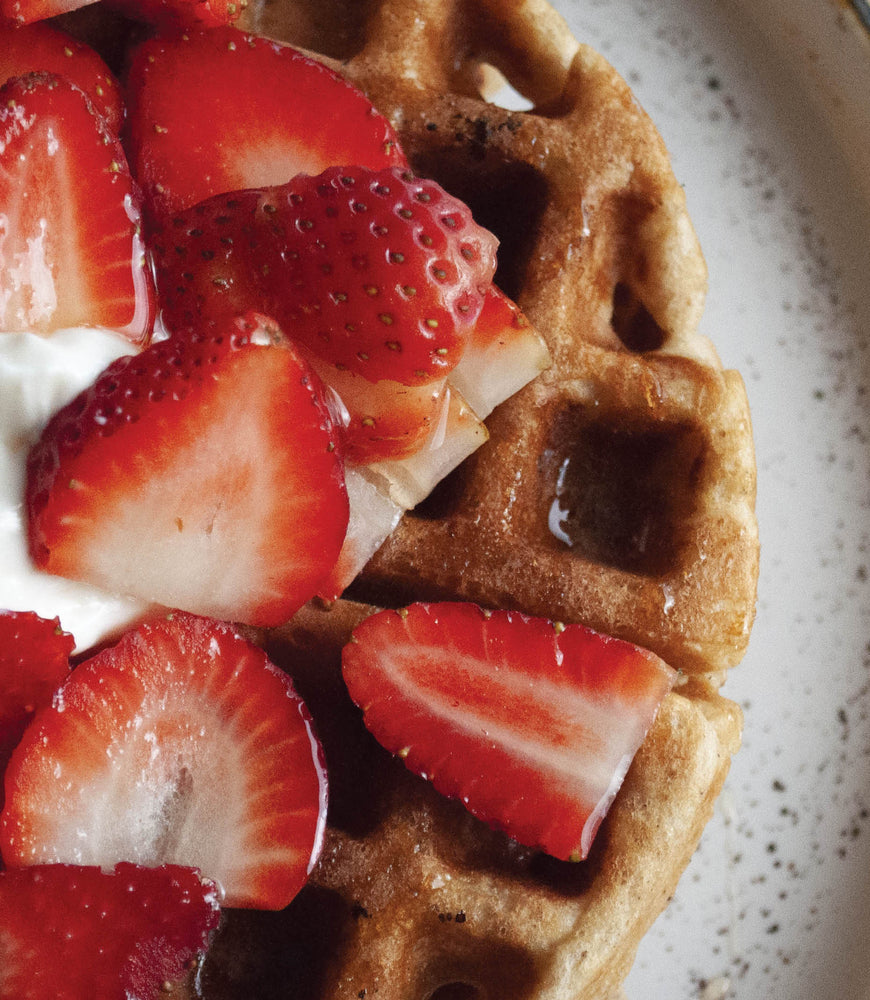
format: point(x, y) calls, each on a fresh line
point(374, 515)
point(72, 932)
point(503, 354)
point(388, 421)
point(218, 111)
point(70, 251)
point(383, 419)
point(182, 745)
point(40, 47)
point(532, 725)
point(200, 474)
point(381, 491)
point(165, 14)
point(377, 272)
point(34, 659)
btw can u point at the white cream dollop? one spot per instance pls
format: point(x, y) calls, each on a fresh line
point(38, 376)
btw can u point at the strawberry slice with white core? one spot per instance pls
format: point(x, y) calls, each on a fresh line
point(182, 745)
point(221, 110)
point(531, 725)
point(504, 353)
point(70, 248)
point(42, 48)
point(378, 272)
point(75, 932)
point(411, 479)
point(201, 474)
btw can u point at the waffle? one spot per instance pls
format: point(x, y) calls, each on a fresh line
point(616, 490)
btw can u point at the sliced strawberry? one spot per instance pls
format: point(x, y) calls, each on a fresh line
point(532, 725)
point(43, 48)
point(70, 250)
point(381, 491)
point(27, 11)
point(200, 474)
point(410, 480)
point(389, 421)
point(75, 932)
point(503, 354)
point(182, 745)
point(383, 419)
point(378, 272)
point(374, 515)
point(34, 659)
point(164, 14)
point(218, 111)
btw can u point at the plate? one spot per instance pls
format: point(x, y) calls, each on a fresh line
point(766, 111)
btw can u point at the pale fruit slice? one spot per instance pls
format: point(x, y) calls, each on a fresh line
point(459, 433)
point(503, 354)
point(380, 493)
point(373, 518)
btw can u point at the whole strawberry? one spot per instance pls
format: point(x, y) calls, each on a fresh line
point(377, 272)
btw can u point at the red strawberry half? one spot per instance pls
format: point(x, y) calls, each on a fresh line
point(70, 250)
point(43, 48)
point(377, 272)
point(201, 474)
point(532, 725)
point(180, 745)
point(74, 932)
point(221, 110)
point(34, 659)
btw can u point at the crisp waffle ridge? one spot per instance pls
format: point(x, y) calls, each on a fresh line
point(617, 489)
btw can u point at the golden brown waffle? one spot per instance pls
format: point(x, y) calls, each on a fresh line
point(616, 490)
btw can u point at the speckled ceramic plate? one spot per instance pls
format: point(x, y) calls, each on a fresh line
point(766, 110)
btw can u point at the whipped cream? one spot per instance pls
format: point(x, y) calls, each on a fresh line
point(38, 376)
